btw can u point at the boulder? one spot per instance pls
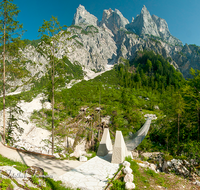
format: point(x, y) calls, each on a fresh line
point(156, 107)
point(129, 185)
point(126, 164)
point(153, 167)
point(56, 155)
point(128, 178)
point(196, 183)
point(127, 170)
point(135, 154)
point(83, 159)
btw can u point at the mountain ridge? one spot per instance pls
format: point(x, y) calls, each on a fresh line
point(94, 44)
point(144, 32)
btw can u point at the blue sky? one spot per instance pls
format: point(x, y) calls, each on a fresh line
point(182, 16)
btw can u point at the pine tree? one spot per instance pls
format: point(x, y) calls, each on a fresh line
point(9, 27)
point(51, 32)
point(179, 106)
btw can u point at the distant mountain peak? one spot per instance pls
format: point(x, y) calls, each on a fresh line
point(143, 24)
point(83, 16)
point(144, 10)
point(113, 20)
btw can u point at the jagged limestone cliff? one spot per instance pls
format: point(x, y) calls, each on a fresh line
point(94, 45)
point(144, 32)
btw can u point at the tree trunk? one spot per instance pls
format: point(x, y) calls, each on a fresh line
point(4, 80)
point(178, 130)
point(198, 124)
point(52, 77)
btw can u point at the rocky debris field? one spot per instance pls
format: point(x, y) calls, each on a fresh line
point(160, 163)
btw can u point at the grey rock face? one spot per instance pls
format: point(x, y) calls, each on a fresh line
point(93, 45)
point(83, 16)
point(143, 24)
point(164, 31)
point(161, 26)
point(187, 57)
point(93, 49)
point(113, 20)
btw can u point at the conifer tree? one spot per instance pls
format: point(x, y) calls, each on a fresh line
point(51, 32)
point(179, 106)
point(9, 27)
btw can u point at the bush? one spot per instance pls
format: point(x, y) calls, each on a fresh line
point(168, 157)
point(5, 184)
point(118, 185)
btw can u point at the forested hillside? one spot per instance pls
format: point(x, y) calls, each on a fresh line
point(148, 84)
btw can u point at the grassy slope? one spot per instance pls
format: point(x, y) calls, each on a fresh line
point(50, 183)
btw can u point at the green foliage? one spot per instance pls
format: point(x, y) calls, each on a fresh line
point(73, 37)
point(75, 26)
point(7, 162)
point(11, 29)
point(92, 29)
point(13, 124)
point(89, 30)
point(35, 179)
point(167, 157)
point(32, 42)
point(5, 184)
point(129, 32)
point(151, 173)
point(51, 184)
point(86, 32)
point(118, 185)
point(8, 15)
point(154, 40)
point(81, 44)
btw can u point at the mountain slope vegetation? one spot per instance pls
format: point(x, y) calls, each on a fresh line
point(148, 84)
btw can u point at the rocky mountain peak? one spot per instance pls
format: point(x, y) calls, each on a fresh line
point(83, 16)
point(143, 24)
point(153, 25)
point(144, 11)
point(113, 20)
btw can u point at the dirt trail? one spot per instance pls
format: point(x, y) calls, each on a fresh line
point(51, 166)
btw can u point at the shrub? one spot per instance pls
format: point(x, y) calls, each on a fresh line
point(118, 185)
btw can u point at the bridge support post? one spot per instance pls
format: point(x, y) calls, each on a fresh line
point(105, 144)
point(119, 150)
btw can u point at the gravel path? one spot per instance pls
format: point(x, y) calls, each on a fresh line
point(53, 167)
point(90, 175)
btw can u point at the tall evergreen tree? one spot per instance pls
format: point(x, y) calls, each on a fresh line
point(9, 27)
point(179, 106)
point(51, 32)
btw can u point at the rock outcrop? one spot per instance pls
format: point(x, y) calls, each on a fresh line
point(83, 16)
point(94, 45)
point(113, 20)
point(144, 24)
point(91, 46)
